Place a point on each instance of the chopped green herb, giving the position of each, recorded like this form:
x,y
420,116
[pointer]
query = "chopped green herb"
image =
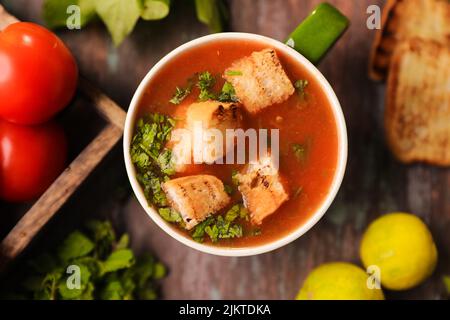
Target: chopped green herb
x,y
152,161
181,93
301,150
170,215
199,231
233,73
228,93
300,86
221,227
228,189
234,177
206,82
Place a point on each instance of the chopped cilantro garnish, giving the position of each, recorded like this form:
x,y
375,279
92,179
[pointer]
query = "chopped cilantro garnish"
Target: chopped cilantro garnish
x,y
170,215
221,227
233,73
301,150
149,156
228,189
181,93
206,82
228,93
300,86
234,178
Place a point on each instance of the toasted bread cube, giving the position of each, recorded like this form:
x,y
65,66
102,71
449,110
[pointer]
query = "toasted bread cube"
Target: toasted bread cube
x,y
262,190
196,197
259,80
207,115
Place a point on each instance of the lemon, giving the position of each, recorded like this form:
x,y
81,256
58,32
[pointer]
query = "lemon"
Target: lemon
x,y
338,281
402,247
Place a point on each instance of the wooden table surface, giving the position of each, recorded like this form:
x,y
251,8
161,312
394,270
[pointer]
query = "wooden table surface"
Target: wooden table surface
x,y
375,183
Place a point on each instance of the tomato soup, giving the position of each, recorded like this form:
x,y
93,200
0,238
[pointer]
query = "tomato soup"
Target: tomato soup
x,y
304,119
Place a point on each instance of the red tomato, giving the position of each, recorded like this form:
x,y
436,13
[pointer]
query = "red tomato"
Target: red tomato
x,y
31,158
38,74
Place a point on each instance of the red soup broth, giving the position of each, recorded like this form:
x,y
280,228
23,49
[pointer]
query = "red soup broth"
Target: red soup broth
x,y
305,120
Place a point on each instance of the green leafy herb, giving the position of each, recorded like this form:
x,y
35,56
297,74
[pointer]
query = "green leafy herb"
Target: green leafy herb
x,y
120,259
170,215
234,177
206,82
149,156
55,12
301,150
300,86
233,73
228,189
212,13
228,93
199,231
76,245
119,16
155,9
181,93
107,269
221,227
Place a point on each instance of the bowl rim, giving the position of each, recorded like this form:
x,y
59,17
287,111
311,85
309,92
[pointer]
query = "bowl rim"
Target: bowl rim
x,y
286,239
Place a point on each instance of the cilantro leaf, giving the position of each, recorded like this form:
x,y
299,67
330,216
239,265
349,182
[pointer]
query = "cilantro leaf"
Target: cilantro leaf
x,y
206,82
74,246
119,259
155,9
228,94
300,86
119,16
55,13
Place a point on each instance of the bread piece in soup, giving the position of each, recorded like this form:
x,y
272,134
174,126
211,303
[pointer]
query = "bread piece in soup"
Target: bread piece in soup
x,y
196,197
206,115
259,80
262,190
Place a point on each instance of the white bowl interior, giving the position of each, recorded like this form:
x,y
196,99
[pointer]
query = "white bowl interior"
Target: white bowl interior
x,y
248,251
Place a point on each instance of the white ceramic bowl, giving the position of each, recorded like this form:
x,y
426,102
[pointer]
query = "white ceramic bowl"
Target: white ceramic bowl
x,y
254,250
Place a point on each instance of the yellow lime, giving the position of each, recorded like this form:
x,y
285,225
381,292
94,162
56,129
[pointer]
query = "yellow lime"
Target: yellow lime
x,y
338,281
402,247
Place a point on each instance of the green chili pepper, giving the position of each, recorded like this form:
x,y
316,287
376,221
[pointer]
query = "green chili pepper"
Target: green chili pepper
x,y
318,32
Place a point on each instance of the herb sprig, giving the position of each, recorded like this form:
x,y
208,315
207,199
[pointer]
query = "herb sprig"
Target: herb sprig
x,y
108,269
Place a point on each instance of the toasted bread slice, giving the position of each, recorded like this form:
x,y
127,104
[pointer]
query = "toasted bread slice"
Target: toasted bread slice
x,y
417,115
406,19
259,80
262,190
196,197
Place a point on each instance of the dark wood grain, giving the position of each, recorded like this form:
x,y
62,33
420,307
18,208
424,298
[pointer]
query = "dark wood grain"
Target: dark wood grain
x,y
375,182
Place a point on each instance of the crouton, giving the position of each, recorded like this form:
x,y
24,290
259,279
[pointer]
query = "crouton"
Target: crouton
x,y
259,80
196,197
262,190
207,115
